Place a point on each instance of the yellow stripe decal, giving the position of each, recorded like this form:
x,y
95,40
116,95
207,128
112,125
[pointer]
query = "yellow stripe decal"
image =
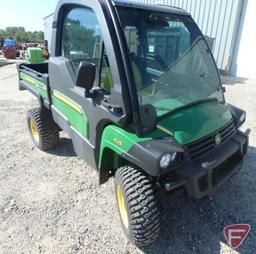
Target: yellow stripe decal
x,y
67,101
161,128
32,81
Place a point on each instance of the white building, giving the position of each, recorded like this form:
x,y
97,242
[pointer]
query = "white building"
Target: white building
x,y
48,29
231,25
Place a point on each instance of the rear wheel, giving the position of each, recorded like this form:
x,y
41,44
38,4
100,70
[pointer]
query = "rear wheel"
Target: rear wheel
x,y
137,206
43,131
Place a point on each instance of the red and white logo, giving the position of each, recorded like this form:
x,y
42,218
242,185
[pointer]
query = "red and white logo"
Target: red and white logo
x,y
236,234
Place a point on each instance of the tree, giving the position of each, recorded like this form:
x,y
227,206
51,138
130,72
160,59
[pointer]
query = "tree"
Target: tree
x,y
19,34
77,37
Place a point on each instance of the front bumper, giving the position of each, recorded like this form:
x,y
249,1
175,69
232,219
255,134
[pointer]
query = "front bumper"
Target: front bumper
x,y
203,176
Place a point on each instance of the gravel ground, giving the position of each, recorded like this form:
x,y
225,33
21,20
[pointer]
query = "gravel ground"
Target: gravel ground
x,y
51,202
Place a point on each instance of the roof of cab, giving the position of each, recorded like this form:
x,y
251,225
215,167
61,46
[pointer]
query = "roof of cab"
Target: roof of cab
x,y
153,7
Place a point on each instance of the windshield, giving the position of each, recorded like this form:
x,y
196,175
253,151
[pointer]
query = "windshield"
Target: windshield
x,y
171,62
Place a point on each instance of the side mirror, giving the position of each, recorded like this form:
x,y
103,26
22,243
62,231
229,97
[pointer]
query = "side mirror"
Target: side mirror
x,y
86,75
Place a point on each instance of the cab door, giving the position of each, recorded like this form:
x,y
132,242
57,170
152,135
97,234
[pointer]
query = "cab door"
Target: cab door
x,y
79,39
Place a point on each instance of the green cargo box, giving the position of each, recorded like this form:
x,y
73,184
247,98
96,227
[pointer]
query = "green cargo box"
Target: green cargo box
x,y
34,55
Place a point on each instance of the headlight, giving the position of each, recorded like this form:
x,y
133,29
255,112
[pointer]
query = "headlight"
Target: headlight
x,y
167,159
242,118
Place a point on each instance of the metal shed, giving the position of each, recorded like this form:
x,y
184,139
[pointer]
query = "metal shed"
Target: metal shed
x,y
48,29
219,20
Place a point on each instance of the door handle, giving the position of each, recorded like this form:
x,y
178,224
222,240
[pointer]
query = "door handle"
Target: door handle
x,y
112,108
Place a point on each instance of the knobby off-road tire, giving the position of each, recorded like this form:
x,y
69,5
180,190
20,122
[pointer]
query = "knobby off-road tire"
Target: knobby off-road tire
x,y
137,206
43,131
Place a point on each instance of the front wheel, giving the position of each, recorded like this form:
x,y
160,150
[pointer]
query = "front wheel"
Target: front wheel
x,y
137,206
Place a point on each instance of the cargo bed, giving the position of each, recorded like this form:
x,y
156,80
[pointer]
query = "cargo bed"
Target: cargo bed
x,y
35,78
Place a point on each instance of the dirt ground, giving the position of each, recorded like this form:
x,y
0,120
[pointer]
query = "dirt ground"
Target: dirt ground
x,y
51,202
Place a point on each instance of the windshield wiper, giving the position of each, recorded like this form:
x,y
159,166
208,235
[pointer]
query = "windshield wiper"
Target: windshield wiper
x,y
188,105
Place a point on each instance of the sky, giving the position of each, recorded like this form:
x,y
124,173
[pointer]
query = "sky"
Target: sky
x,y
26,13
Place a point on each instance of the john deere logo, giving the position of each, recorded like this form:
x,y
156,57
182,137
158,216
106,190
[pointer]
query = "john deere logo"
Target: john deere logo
x,y
218,139
118,142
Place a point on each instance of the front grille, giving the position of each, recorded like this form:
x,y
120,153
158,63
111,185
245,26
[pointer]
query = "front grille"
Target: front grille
x,y
223,170
207,144
220,173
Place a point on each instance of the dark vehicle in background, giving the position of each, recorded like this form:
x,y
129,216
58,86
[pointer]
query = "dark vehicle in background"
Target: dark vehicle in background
x,y
1,42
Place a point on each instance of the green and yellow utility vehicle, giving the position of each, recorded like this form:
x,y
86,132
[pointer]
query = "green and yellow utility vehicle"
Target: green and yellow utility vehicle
x,y
137,89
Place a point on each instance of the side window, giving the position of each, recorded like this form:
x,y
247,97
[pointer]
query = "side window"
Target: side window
x,y
81,37
106,80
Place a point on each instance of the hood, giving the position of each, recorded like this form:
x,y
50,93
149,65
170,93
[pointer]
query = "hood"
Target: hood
x,y
191,124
